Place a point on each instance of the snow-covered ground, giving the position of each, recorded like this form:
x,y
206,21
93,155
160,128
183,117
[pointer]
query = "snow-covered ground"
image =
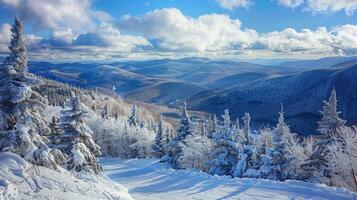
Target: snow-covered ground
x,y
149,179
19,180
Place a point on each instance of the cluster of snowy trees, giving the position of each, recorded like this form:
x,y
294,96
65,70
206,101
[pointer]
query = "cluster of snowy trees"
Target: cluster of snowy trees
x,y
224,148
66,141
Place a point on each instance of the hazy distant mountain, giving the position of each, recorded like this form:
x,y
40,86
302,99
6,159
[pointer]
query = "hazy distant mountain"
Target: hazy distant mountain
x,y
301,94
300,65
237,79
165,93
194,70
93,75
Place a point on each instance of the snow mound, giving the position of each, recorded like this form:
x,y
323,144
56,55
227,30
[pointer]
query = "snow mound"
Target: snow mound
x,y
21,180
149,179
12,161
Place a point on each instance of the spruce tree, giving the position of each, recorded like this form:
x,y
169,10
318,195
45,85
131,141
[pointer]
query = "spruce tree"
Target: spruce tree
x,y
160,140
55,130
225,150
105,112
246,129
133,118
276,163
185,130
317,166
330,122
22,108
247,154
76,140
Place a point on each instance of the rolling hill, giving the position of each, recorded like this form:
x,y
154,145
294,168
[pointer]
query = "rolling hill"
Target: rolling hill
x,y
301,94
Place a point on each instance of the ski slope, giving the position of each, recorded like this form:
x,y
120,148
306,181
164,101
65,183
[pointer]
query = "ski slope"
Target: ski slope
x,y
149,179
19,180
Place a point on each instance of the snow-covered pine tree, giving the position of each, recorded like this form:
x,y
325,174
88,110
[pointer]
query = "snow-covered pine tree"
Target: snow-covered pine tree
x,y
133,118
343,166
225,150
226,122
55,130
18,52
276,163
203,129
212,126
160,139
105,112
246,129
330,121
185,130
76,140
247,154
22,107
237,124
316,167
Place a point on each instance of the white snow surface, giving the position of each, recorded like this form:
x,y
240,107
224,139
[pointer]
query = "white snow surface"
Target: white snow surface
x,y
20,181
150,179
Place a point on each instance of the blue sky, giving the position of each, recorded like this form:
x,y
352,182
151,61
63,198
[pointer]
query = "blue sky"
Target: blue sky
x,y
136,29
262,15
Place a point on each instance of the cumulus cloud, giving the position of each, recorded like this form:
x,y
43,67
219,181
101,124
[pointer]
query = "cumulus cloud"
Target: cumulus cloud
x,y
77,15
290,3
169,33
321,6
233,4
5,37
76,30
104,43
170,30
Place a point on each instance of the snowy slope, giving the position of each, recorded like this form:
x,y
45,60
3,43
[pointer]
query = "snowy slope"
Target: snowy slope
x,y
148,179
19,180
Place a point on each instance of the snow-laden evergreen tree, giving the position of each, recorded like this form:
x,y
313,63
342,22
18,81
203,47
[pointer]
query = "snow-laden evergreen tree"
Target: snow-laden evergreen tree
x,y
246,128
160,139
196,153
76,140
22,108
276,163
203,129
316,168
330,121
226,121
237,124
55,130
184,131
18,52
105,112
247,154
225,150
343,164
212,126
133,118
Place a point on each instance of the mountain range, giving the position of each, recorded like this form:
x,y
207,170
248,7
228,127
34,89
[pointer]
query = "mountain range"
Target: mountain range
x,y
213,85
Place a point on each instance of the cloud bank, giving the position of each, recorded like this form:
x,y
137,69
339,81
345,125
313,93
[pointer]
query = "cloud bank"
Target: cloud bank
x,y
81,32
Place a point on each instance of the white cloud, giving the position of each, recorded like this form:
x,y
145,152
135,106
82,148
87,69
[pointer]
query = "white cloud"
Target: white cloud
x,y
111,39
321,6
170,30
233,4
5,37
290,3
77,15
169,33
